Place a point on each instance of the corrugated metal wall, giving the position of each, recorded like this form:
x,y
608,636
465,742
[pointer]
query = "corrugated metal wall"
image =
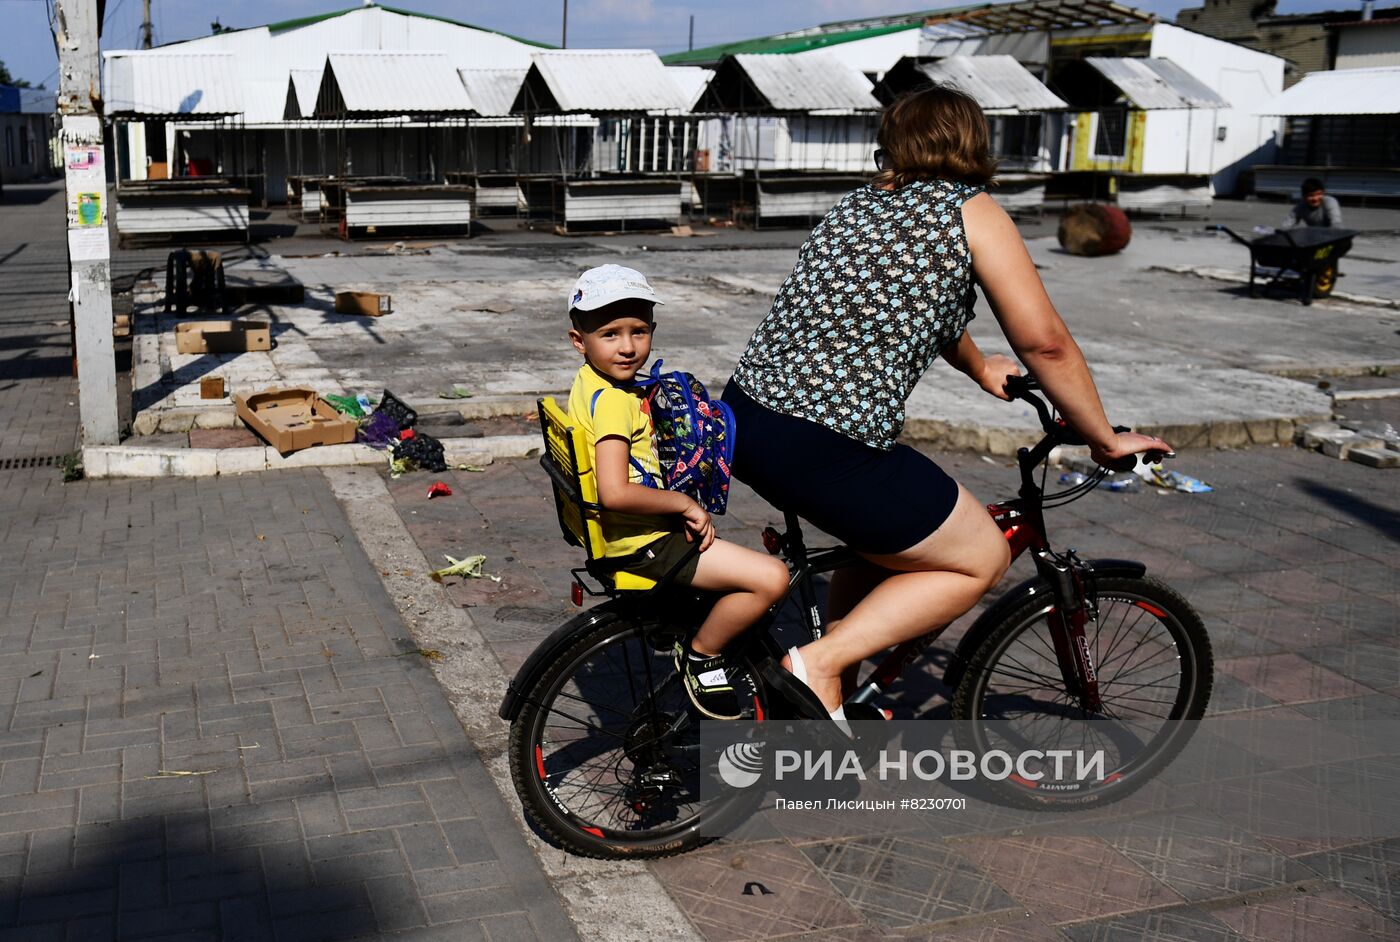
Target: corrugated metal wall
x,y
1341,141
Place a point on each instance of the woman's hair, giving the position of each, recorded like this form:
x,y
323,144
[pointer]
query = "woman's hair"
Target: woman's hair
x,y
935,133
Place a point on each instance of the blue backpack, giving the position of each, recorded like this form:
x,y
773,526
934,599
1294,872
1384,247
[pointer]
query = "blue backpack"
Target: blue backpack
x,y
694,437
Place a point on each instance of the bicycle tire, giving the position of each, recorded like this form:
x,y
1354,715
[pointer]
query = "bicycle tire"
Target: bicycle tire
x,y
1119,599
541,769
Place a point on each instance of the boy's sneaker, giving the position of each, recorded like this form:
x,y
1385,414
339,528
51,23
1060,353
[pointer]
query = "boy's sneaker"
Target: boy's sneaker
x,y
707,684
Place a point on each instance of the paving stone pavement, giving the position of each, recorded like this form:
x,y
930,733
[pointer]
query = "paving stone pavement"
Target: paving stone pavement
x,y
1294,563
38,394
212,724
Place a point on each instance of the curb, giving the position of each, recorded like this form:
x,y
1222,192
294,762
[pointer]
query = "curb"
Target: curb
x,y
136,461
1004,442
1337,372
222,415
1221,274
1352,395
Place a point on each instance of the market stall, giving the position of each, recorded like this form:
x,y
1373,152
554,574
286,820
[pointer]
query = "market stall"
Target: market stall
x,y
179,196
801,130
407,91
634,105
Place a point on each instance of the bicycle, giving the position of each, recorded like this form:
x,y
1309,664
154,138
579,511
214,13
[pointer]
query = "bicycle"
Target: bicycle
x,y
604,746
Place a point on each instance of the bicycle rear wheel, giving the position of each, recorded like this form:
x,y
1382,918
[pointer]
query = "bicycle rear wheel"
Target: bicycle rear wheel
x,y
605,755
1155,670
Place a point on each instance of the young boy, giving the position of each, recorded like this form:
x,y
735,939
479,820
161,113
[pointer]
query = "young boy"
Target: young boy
x,y
1316,208
610,309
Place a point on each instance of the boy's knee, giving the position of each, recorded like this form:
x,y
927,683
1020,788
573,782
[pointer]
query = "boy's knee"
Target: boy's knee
x,y
775,578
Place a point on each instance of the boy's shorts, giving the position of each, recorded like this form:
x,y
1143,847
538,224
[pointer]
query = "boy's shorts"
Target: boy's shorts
x,y
659,556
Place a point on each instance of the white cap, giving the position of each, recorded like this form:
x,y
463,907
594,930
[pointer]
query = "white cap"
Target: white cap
x,y
608,283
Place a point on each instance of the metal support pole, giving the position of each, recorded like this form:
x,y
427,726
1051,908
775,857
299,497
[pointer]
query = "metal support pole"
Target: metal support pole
x,y
75,27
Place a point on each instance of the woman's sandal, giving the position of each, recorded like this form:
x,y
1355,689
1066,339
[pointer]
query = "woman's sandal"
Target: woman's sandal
x,y
793,685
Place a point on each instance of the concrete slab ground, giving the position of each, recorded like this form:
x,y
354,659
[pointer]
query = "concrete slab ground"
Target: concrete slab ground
x,y
1193,359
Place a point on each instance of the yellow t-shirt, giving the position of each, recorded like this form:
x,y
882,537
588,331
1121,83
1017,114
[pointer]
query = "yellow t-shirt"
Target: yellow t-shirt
x,y
618,412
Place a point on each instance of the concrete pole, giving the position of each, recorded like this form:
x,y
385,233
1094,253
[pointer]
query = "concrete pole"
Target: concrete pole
x,y
75,28
147,34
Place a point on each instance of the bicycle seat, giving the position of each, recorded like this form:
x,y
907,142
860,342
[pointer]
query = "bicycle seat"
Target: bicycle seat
x,y
568,460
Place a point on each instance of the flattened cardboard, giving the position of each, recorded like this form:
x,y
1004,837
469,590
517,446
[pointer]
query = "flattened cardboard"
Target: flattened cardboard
x,y
365,303
222,336
294,418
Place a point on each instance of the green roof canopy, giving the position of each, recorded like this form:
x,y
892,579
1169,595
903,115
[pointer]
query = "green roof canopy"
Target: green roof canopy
x,y
285,25
782,43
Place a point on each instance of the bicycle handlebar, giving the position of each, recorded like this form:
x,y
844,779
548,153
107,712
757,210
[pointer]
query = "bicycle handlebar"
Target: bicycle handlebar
x,y
1057,431
1024,388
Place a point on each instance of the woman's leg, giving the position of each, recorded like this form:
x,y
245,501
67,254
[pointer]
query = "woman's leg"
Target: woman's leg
x,y
848,587
934,582
752,583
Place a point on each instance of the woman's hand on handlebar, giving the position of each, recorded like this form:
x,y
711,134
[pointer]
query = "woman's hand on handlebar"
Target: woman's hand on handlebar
x,y
996,369
1122,452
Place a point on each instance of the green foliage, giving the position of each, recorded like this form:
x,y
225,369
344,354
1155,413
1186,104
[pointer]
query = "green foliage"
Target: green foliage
x,y
72,467
7,79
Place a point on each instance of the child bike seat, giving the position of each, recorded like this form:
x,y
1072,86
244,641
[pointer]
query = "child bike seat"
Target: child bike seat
x,y
568,460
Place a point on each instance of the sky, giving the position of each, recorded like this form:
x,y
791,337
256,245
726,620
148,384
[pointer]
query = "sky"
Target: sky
x,y
26,44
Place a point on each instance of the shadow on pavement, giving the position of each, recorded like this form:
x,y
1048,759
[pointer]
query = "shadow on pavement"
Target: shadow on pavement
x,y
1378,517
159,875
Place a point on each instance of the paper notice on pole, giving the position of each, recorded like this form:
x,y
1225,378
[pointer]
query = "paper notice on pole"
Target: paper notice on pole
x,y
86,180
89,245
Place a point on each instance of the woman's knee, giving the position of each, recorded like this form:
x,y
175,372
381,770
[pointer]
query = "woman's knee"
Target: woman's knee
x,y
998,561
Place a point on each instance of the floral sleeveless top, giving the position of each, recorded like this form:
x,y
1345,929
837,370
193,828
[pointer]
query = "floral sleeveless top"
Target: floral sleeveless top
x,y
881,286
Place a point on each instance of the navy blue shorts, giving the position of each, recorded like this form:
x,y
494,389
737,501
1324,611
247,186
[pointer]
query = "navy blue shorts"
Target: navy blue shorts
x,y
874,501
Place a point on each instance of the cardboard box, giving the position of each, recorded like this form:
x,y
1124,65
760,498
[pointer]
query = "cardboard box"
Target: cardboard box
x,y
294,418
367,303
222,336
211,387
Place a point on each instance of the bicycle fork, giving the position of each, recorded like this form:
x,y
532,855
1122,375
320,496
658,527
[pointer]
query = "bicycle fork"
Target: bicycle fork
x,y
1068,577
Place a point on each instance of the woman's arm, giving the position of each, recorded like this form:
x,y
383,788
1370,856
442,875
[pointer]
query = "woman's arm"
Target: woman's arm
x,y
1036,332
617,493
988,372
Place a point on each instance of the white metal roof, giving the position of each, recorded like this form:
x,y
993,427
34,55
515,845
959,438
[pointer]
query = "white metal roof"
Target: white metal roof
x,y
599,81
813,82
492,91
169,84
1000,84
302,88
1344,91
691,80
1156,83
390,83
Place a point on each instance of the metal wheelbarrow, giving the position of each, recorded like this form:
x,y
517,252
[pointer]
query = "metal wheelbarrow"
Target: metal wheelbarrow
x,y
1306,256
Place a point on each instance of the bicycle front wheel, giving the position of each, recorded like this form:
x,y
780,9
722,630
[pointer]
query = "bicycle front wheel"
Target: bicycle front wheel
x,y
1154,671
606,756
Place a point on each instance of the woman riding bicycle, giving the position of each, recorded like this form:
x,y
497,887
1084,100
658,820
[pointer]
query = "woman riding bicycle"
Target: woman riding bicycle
x,y
882,286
